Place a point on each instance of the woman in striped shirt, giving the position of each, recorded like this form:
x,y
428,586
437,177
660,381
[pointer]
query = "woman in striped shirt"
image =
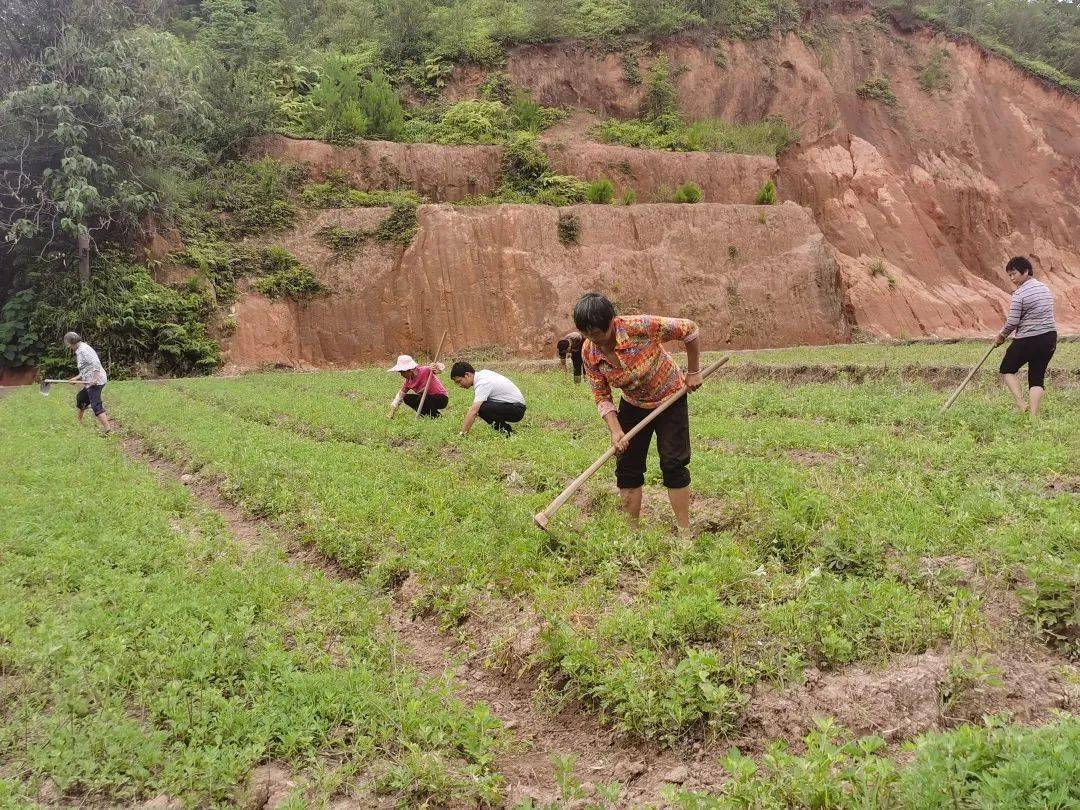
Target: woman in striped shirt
x,y
628,353
1031,315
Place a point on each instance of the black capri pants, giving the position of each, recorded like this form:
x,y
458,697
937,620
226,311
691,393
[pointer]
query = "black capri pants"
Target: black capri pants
x,y
1035,352
672,429
90,397
433,405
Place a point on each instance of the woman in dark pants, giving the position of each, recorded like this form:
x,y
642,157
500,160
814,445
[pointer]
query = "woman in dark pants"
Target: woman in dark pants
x,y
628,353
571,344
1031,315
412,388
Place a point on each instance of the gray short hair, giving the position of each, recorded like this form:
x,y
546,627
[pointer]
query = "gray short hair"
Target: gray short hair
x,y
71,338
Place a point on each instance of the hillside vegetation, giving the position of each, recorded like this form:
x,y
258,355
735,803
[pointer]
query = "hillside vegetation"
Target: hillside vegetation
x,y
117,115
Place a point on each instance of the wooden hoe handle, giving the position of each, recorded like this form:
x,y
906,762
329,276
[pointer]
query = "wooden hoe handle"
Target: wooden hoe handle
x,y
542,518
967,379
427,385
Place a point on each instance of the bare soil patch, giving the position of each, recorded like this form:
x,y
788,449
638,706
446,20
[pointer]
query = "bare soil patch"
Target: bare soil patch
x,y
812,458
1064,484
912,695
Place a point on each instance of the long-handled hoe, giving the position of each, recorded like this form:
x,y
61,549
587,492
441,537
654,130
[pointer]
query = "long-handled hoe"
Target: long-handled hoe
x,y
542,518
427,385
967,379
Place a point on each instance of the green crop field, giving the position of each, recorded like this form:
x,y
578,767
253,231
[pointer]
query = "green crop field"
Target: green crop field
x,y
840,529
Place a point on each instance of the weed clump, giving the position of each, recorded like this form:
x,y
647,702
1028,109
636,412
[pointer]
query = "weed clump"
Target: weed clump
x,y
772,136
569,229
687,193
767,195
629,197
335,191
934,77
343,242
600,191
877,89
279,274
877,268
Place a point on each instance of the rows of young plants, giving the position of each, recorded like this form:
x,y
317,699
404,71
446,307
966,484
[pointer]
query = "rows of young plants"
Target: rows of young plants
x,y
817,506
143,651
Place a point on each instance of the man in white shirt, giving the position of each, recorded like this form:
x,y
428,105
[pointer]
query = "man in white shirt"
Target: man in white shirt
x,y
496,400
91,377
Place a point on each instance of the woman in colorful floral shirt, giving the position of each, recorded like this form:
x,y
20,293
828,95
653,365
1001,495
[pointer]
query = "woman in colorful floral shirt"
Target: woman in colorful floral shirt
x,y
627,352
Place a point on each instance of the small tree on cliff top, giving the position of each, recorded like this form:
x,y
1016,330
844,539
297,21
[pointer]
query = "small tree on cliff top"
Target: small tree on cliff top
x,y
661,96
381,108
333,107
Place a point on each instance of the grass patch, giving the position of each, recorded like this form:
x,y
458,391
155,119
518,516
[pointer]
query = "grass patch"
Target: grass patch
x,y
934,77
990,766
144,653
878,89
770,137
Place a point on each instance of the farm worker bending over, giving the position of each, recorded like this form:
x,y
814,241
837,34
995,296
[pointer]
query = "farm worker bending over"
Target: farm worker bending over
x,y
571,344
628,353
496,400
1031,314
412,387
91,376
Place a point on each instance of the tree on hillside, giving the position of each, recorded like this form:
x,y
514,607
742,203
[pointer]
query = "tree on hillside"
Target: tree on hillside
x,y
82,148
333,107
381,108
406,29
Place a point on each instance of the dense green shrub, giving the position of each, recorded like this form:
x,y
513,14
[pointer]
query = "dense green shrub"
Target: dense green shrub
x,y
399,225
661,95
600,191
687,193
877,89
466,122
473,122
1039,37
381,109
279,274
136,324
767,195
343,242
256,196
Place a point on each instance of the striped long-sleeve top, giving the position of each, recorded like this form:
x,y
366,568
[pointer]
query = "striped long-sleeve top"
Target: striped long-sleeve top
x,y
1031,312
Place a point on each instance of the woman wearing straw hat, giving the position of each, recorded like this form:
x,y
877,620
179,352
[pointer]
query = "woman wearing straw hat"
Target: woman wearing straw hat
x,y
412,387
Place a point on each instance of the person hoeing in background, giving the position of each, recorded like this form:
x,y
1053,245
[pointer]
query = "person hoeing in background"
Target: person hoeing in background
x,y
496,400
1031,315
415,378
91,377
627,352
570,344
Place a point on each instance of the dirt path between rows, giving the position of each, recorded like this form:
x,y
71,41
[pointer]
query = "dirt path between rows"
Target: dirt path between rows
x,y
540,738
